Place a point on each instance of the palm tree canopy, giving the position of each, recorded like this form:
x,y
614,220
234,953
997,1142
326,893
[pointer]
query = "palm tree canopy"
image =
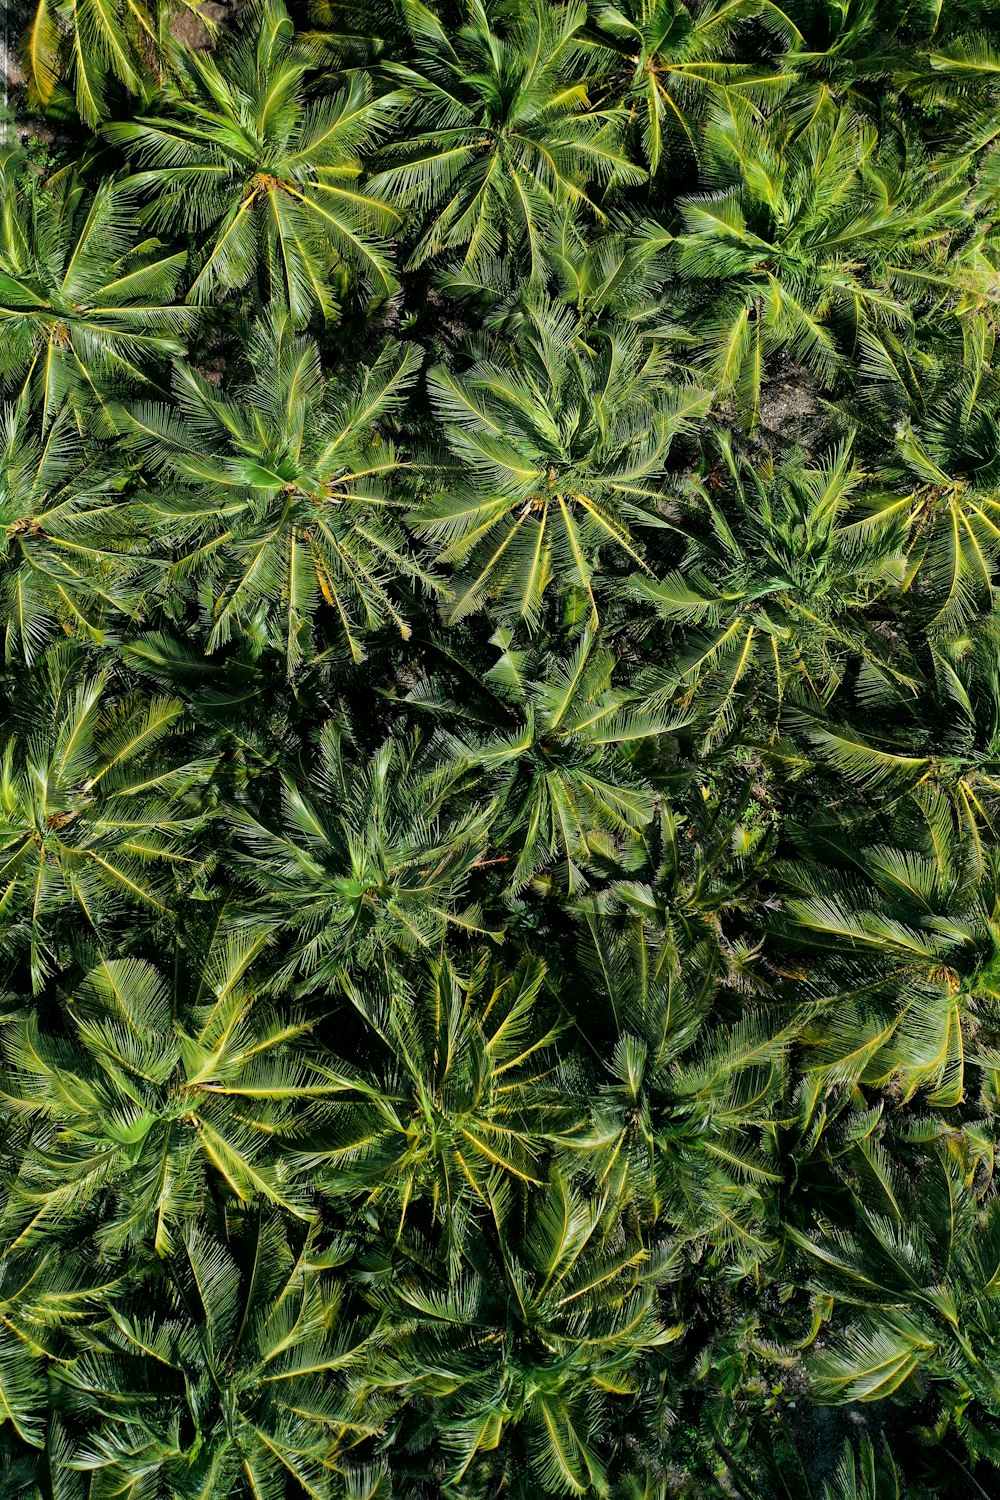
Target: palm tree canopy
x,y
268,178
68,558
143,1114
564,448
672,60
500,131
95,807
776,586
370,858
813,235
292,495
84,307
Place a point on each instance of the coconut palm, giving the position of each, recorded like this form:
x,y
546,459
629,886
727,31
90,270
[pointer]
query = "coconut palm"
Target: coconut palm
x,y
692,876
46,1293
942,772
683,1121
266,179
67,562
293,493
95,48
943,480
932,68
460,1095
368,859
620,279
671,60
97,799
912,928
500,750
555,744
774,593
808,237
535,1343
562,449
256,1381
499,132
776,1469
166,1091
919,1266
86,304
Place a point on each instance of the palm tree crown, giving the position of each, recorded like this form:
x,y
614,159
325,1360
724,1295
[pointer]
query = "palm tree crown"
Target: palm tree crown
x,y
268,179
83,306
500,132
564,448
307,475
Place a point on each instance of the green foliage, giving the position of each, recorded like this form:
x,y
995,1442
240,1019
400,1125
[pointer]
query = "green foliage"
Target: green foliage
x,y
500,751
96,801
779,577
368,864
67,561
499,131
309,480
264,179
85,308
562,448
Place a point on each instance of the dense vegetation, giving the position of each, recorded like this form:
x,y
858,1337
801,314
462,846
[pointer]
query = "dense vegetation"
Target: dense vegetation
x,y
499,864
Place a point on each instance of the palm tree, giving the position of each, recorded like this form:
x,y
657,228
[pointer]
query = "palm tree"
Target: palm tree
x,y
46,1292
368,860
500,769
459,1095
909,930
691,880
563,446
867,1474
776,1469
67,562
256,1384
933,69
959,84
291,501
918,1264
809,237
555,740
95,810
774,590
85,310
943,478
244,712
670,61
684,1115
940,766
500,132
620,279
266,180
526,1352
159,1093
93,47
